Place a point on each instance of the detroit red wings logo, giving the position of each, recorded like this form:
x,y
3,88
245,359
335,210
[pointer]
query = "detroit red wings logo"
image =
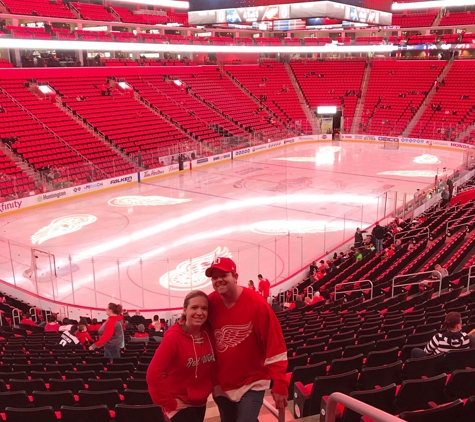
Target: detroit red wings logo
x,y
231,336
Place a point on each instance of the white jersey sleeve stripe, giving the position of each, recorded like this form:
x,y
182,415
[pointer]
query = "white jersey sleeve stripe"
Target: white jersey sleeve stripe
x,y
277,358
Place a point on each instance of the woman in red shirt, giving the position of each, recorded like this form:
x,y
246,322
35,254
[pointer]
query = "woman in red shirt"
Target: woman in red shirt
x,y
179,376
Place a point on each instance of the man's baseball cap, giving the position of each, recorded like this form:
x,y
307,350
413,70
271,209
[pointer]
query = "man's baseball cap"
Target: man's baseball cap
x,y
223,264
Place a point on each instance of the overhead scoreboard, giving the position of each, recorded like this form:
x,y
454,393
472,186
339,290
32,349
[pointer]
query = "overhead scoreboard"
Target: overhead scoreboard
x,y
204,12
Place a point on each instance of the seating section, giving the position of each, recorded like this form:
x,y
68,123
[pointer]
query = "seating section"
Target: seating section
x,y
4,63
127,16
336,83
139,130
53,8
272,85
392,98
93,12
451,109
458,18
196,119
43,380
221,94
61,141
413,19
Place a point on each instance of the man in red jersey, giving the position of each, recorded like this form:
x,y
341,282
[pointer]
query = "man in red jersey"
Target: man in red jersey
x,y
250,347
264,287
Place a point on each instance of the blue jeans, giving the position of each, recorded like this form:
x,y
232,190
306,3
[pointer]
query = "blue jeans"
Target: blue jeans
x,y
378,244
112,353
245,410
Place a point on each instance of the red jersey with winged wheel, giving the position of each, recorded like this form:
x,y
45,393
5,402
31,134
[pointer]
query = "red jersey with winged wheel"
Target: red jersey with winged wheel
x,y
250,347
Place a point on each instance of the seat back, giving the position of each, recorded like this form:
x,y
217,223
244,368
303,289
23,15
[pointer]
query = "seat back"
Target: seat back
x,y
428,366
292,362
98,413
450,412
107,384
340,366
61,385
416,394
381,398
93,398
143,413
326,385
370,377
382,357
461,384
306,375
14,399
137,397
55,399
459,359
43,414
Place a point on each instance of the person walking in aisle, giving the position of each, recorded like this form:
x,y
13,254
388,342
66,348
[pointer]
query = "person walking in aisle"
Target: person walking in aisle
x,y
264,287
247,336
111,333
378,235
179,376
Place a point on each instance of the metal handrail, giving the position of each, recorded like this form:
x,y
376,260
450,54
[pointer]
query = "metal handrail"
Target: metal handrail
x,y
469,277
310,292
416,282
279,414
420,229
457,219
354,290
365,409
16,317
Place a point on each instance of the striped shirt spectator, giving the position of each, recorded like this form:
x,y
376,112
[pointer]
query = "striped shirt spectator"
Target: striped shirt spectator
x,y
453,339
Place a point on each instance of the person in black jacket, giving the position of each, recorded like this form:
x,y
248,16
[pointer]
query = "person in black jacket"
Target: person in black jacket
x,y
378,236
359,237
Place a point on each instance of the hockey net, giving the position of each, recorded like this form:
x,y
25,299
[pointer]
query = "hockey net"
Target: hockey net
x,y
42,266
391,143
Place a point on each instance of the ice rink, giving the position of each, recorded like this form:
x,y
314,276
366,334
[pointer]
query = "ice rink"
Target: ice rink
x,y
146,245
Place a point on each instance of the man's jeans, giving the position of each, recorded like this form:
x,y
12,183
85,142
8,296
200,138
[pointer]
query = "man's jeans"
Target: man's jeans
x,y
378,244
246,410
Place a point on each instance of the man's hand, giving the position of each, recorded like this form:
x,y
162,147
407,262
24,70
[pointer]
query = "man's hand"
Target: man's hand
x,y
180,405
280,401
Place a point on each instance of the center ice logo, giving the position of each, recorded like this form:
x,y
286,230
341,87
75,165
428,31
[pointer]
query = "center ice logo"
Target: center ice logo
x,y
190,274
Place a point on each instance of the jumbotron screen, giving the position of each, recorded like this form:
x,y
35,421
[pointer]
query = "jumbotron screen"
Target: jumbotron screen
x,y
201,5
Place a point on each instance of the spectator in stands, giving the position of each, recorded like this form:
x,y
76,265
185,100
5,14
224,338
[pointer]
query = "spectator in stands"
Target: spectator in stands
x,y
439,269
179,376
313,268
398,245
111,332
2,109
250,285
358,255
138,318
140,336
264,287
66,325
453,339
156,324
378,233
445,197
68,338
28,319
247,334
359,237
83,336
317,297
52,324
